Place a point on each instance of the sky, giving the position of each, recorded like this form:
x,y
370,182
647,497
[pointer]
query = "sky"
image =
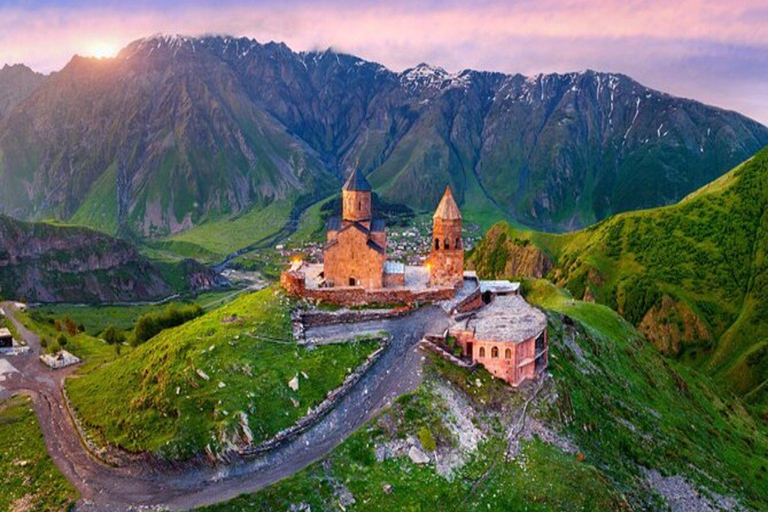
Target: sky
x,y
715,51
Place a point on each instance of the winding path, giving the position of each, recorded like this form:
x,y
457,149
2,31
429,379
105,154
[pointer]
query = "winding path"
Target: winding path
x,y
105,488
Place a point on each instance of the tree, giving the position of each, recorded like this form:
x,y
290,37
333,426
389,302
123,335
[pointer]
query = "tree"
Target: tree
x,y
62,340
70,325
113,335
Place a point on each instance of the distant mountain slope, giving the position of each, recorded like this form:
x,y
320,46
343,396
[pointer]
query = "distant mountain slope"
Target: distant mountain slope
x,y
45,263
693,277
16,83
177,131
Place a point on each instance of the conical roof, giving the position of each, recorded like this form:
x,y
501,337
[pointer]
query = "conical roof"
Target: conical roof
x,y
357,182
447,209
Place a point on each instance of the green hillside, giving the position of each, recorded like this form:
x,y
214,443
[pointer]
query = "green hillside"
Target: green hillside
x,y
212,382
693,277
28,478
614,413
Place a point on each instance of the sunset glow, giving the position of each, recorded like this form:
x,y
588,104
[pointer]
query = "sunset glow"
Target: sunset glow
x,y
719,55
101,50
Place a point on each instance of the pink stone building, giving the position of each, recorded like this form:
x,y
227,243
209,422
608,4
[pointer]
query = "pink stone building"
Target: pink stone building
x,y
508,337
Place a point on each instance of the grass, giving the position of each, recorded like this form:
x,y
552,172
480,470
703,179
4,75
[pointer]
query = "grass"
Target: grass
x,y
648,410
228,235
693,277
189,388
96,318
28,478
618,401
93,351
541,477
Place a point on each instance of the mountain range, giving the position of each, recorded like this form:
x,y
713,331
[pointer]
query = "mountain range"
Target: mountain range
x,y
175,131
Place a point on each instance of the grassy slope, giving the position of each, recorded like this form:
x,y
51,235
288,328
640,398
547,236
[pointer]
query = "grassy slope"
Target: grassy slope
x,y
28,478
227,235
154,399
620,403
96,318
698,266
93,351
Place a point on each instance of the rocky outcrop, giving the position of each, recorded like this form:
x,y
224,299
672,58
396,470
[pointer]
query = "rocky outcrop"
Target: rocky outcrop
x,y
501,255
671,325
16,83
47,263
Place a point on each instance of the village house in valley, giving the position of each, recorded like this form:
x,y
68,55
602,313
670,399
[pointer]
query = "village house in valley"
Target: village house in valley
x,y
499,329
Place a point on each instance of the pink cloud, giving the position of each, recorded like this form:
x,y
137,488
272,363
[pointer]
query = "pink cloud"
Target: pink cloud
x,y
528,36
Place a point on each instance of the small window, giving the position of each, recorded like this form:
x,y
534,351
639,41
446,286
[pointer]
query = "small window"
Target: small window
x,y
359,205
352,281
495,352
457,244
446,245
508,354
482,351
437,244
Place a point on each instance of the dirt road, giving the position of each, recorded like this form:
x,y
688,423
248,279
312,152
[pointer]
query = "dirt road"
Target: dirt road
x,y
104,488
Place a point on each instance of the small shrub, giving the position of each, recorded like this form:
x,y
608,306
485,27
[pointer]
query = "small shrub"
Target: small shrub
x,y
427,439
62,340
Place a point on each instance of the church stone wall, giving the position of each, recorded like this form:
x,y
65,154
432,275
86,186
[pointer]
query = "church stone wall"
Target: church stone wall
x,y
351,258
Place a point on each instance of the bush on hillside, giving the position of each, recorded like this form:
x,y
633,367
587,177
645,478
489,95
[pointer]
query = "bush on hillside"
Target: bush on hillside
x,y
152,324
113,335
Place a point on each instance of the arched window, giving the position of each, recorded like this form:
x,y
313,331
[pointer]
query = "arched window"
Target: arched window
x,y
457,245
508,354
446,245
495,352
437,244
482,352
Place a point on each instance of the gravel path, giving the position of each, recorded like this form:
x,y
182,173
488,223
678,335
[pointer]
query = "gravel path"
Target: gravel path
x,y
104,488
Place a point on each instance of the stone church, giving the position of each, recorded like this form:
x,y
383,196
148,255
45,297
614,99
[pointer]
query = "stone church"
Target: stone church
x,y
356,244
355,268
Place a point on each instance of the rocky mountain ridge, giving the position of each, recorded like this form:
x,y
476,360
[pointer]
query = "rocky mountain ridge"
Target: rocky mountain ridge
x,y
16,83
176,131
46,263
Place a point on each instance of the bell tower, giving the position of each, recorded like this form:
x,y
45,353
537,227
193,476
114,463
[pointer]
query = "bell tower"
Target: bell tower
x,y
446,261
356,199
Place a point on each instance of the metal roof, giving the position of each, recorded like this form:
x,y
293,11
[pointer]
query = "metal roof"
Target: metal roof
x,y
378,225
357,182
394,267
499,287
508,318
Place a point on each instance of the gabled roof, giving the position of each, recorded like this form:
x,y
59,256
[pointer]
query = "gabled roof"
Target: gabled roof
x,y
376,247
357,182
378,225
447,209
